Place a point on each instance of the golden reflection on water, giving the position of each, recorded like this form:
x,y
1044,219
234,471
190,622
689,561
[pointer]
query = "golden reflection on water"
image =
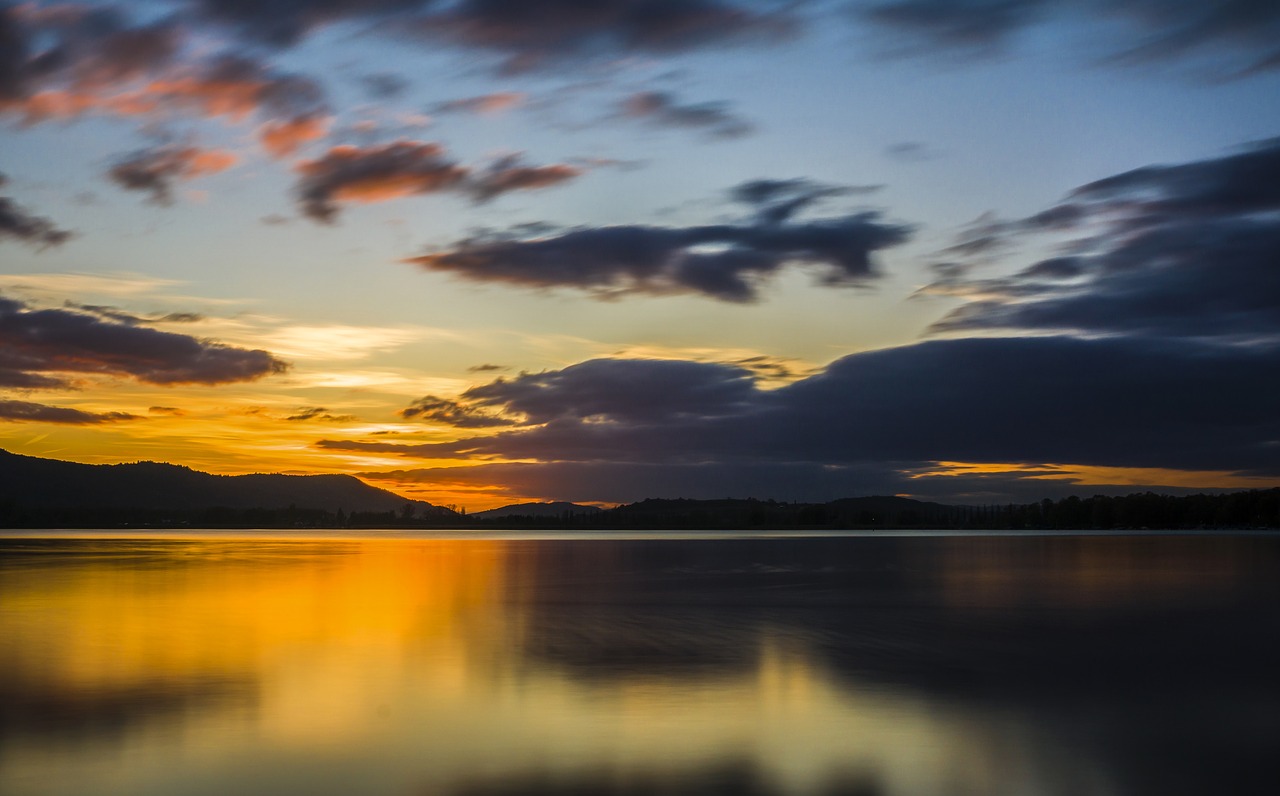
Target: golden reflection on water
x,y
437,667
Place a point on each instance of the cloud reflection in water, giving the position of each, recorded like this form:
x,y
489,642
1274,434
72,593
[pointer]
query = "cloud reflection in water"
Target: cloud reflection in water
x,y
469,667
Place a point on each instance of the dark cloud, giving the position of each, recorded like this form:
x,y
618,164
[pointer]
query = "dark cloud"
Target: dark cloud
x,y
12,376
43,346
910,152
67,61
122,316
620,391
105,51
983,238
453,413
1245,182
486,367
768,368
722,261
318,413
1203,280
236,85
1246,32
601,391
1120,402
509,174
777,201
405,168
292,107
1055,268
25,411
663,109
384,85
1243,33
373,174
1176,251
17,223
177,317
56,57
533,35
283,23
155,171
13,57
952,24
525,34
171,411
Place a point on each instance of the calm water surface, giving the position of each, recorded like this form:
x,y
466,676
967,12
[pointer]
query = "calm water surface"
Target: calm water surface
x,y
867,666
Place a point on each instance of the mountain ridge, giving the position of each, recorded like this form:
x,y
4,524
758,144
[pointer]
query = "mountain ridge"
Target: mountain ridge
x,y
38,483
553,508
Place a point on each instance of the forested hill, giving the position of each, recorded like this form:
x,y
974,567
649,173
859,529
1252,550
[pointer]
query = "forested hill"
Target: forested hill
x,y
29,483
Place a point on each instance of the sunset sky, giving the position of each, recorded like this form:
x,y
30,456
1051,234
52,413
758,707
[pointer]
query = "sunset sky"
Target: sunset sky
x,y
486,251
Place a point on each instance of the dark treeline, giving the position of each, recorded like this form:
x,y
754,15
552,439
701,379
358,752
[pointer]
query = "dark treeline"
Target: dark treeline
x,y
1237,510
1252,509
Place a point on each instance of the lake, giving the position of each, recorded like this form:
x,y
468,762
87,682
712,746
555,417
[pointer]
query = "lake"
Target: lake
x,y
507,664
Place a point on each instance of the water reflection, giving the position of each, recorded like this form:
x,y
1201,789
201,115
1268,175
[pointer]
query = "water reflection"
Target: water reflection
x,y
821,666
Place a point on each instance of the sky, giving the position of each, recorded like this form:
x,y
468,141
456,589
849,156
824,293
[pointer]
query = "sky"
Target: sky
x,y
480,252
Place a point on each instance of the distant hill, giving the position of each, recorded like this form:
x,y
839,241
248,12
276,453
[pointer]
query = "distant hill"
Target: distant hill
x,y
556,509
34,483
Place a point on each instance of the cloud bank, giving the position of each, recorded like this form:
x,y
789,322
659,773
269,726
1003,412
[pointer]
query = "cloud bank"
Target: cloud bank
x,y
997,400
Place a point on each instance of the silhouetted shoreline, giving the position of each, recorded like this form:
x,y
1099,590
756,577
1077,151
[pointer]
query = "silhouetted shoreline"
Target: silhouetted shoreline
x,y
46,493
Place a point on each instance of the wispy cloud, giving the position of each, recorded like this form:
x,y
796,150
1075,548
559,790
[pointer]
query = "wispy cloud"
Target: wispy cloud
x,y
664,109
484,104
54,286
337,342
